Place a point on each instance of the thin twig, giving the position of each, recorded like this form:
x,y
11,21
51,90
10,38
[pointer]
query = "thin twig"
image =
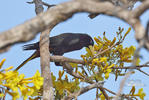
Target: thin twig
x,y
143,72
131,67
83,90
44,3
69,70
48,5
126,96
118,95
99,53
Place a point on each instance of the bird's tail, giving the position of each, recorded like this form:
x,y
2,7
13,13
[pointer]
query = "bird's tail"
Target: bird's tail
x,y
34,55
31,46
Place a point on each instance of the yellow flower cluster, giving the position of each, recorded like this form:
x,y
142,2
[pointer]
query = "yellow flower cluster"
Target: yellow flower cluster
x,y
106,54
140,93
17,85
63,86
105,69
132,94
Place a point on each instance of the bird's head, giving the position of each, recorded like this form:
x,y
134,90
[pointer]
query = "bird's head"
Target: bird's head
x,y
87,41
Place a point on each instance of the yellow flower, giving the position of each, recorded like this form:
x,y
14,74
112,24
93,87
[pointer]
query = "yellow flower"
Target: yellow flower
x,y
132,91
37,80
7,69
96,47
103,59
107,41
66,77
111,66
129,29
15,95
107,73
10,74
26,91
98,41
141,94
2,95
1,76
83,56
138,61
2,62
102,97
95,60
90,51
34,91
113,41
131,50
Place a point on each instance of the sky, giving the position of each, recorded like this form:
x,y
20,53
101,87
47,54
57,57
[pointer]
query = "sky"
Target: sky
x,y
15,12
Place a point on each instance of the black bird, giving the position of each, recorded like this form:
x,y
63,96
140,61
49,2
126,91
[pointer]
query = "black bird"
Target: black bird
x,y
60,44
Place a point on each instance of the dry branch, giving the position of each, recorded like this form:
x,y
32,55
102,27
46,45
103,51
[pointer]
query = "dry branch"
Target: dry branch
x,y
83,90
65,59
69,70
45,57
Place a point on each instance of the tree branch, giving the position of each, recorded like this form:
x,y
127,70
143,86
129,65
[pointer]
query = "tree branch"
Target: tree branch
x,y
62,12
131,67
141,9
83,90
79,61
65,59
69,70
45,57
